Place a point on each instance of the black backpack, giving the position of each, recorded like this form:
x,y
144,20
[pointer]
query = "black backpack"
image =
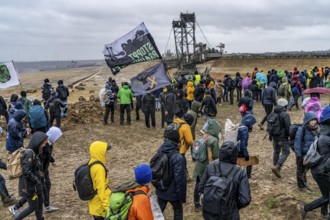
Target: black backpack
x,y
62,92
161,170
83,183
170,128
292,133
274,124
46,91
219,197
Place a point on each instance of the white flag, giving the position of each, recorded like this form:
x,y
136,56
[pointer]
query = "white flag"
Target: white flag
x,y
8,75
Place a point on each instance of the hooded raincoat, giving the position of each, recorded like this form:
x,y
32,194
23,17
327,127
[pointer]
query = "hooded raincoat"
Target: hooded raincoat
x,y
186,138
99,204
212,136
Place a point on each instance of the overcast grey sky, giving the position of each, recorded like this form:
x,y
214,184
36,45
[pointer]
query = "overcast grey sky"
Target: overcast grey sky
x,y
37,30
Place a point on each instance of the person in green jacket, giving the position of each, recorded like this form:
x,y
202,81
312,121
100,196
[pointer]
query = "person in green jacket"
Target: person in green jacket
x,y
287,90
125,96
212,145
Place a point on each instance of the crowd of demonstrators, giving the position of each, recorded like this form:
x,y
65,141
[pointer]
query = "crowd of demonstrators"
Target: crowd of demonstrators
x,y
180,105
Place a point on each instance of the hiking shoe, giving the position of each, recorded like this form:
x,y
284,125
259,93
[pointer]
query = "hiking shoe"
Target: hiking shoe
x,y
50,209
277,171
301,211
305,189
261,127
13,211
9,201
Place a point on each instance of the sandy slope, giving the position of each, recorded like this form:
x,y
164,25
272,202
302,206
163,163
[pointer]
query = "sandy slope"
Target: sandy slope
x,y
273,198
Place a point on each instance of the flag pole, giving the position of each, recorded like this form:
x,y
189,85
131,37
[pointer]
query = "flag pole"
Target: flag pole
x,y
17,75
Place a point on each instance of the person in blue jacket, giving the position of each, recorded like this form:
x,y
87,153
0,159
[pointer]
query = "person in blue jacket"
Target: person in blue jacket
x,y
245,127
304,138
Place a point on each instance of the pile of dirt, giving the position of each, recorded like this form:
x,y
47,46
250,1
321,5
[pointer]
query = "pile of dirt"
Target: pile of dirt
x,y
84,112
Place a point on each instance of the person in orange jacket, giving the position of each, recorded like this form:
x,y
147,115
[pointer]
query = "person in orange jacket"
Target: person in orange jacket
x,y
141,207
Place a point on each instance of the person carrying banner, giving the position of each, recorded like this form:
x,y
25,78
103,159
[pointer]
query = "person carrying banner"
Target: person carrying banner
x,y
3,109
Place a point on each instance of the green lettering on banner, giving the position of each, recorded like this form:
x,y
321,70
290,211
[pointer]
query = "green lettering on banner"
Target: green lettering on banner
x,y
138,52
145,52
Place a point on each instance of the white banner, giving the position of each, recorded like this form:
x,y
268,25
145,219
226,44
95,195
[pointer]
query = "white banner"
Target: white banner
x,y
8,75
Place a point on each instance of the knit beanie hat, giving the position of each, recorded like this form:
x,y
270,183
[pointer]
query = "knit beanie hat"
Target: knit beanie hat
x,y
143,174
325,115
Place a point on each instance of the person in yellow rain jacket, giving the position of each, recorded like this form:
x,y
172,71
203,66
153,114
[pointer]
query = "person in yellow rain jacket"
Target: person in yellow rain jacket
x,y
190,92
99,204
186,138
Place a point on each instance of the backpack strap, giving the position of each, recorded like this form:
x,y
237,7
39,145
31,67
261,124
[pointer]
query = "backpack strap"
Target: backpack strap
x,y
99,162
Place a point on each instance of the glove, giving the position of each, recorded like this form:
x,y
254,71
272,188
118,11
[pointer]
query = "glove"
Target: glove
x,y
247,157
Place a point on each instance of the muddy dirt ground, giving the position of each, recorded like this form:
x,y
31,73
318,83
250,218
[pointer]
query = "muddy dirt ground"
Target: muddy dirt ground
x,y
272,198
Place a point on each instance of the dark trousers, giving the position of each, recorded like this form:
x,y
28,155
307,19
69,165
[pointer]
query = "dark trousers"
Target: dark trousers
x,y
123,108
196,193
280,145
147,115
189,103
5,114
58,120
46,188
218,100
268,109
20,202
323,184
238,93
231,96
34,206
98,217
137,110
301,173
109,108
249,171
3,189
163,115
176,205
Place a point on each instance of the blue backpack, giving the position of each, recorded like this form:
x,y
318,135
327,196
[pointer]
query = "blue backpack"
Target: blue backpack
x,y
37,117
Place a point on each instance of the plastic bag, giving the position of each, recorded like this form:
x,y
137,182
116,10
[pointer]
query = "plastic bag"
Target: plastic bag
x,y
156,211
231,131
